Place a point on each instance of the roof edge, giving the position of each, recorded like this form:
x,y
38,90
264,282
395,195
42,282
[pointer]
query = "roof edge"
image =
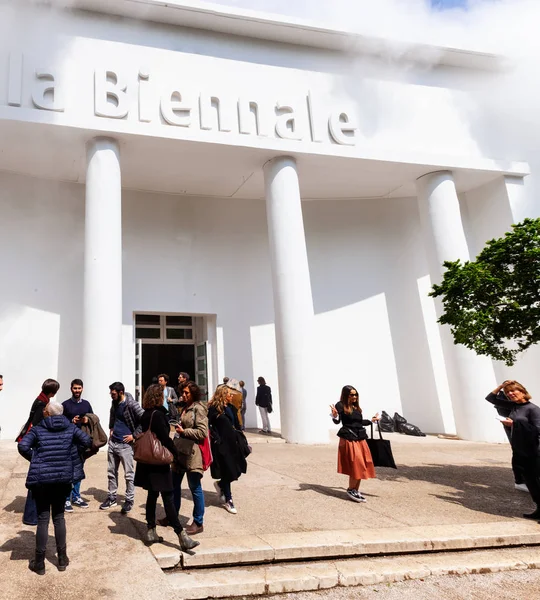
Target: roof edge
x,y
284,29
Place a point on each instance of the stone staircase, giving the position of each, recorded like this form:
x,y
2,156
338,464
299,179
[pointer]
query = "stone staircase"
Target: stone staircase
x,y
286,562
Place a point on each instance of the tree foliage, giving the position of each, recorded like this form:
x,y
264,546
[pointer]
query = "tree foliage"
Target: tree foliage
x,y
492,304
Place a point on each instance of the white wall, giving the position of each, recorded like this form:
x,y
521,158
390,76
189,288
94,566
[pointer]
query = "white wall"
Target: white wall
x,y
366,261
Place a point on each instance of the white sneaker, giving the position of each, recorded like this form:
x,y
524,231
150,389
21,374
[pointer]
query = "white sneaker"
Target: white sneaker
x,y
522,487
229,507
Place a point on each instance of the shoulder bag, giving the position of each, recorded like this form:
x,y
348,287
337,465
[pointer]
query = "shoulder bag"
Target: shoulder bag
x,y
381,450
149,450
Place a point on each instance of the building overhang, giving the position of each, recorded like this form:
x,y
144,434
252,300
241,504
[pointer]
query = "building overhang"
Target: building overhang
x,y
289,30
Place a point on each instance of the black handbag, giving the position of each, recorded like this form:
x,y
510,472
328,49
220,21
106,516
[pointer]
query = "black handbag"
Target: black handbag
x,y
381,450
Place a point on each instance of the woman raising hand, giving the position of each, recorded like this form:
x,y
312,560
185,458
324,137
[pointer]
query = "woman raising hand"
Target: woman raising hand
x,y
354,457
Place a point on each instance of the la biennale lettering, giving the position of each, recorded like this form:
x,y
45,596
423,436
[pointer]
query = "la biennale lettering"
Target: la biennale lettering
x,y
183,106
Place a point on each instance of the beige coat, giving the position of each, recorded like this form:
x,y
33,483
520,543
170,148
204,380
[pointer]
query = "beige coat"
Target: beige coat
x,y
194,421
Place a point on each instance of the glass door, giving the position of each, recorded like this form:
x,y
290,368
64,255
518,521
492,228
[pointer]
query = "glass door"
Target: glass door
x,y
201,368
138,370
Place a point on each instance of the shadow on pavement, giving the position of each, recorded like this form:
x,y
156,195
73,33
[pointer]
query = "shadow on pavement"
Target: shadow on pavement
x,y
23,547
484,489
334,492
16,505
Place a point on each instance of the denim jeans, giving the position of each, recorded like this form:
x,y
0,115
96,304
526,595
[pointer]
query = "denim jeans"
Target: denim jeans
x,y
30,516
76,491
194,483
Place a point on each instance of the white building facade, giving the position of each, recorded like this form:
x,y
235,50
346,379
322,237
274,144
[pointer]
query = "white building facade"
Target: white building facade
x,y
216,193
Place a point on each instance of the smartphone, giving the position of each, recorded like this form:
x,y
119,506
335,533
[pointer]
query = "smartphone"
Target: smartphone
x,y
499,418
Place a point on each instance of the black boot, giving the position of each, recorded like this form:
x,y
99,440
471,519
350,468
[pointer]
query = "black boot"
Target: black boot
x,y
63,560
38,563
533,515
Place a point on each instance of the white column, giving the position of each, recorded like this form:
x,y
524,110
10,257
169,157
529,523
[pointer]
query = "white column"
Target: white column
x,y
102,331
293,305
471,377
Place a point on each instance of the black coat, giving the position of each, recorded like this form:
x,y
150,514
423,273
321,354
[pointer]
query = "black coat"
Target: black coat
x,y
229,461
157,478
526,422
264,396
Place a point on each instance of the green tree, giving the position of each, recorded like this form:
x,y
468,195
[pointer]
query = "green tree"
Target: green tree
x,y
492,304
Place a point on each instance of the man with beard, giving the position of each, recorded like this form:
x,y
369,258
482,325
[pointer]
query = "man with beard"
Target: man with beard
x,y
75,410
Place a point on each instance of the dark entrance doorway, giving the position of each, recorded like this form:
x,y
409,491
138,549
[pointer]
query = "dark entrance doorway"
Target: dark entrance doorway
x,y
169,359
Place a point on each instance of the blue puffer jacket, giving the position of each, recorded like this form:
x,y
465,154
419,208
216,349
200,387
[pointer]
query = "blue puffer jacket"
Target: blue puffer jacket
x,y
51,448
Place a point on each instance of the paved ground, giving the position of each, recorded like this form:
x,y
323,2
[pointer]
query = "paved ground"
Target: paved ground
x,y
288,488
515,585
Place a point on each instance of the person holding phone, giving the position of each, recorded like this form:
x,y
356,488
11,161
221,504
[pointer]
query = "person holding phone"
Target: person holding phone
x,y
522,418
354,457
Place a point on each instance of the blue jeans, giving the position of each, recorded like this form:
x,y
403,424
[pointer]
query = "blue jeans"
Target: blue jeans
x,y
30,516
76,491
194,482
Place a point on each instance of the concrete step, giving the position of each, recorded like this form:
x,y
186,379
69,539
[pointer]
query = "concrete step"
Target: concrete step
x,y
314,545
304,576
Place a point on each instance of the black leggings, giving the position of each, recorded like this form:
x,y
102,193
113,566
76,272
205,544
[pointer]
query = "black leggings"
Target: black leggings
x,y
50,498
168,505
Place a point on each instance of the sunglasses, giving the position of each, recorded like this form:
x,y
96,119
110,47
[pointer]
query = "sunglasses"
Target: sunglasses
x,y
351,394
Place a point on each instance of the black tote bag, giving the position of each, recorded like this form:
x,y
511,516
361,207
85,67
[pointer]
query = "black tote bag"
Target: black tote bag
x,y
381,450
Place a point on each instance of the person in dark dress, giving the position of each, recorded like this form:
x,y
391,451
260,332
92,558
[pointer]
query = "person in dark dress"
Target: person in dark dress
x,y
354,457
157,479
523,417
229,459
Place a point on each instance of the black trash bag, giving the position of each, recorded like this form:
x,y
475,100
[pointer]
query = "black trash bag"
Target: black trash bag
x,y
386,423
399,421
410,429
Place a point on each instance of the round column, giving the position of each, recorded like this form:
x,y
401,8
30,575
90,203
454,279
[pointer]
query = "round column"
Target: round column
x,y
102,327
471,377
293,304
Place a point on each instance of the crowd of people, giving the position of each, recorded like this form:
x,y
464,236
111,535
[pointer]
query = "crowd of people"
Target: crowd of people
x,y
57,439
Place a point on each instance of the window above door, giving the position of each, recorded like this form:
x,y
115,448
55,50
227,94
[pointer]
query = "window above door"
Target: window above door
x,y
164,329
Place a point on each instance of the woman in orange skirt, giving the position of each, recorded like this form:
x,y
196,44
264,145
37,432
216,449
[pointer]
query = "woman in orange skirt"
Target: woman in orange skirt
x,y
354,457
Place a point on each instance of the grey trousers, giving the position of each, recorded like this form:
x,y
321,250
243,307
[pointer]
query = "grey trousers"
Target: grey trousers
x,y
120,452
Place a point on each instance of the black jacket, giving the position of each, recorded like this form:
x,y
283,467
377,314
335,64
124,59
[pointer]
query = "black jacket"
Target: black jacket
x,y
229,460
526,420
264,396
352,424
156,477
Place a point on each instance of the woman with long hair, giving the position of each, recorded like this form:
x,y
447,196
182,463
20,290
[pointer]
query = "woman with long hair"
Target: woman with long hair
x,y
263,400
190,432
157,479
522,417
354,457
229,459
